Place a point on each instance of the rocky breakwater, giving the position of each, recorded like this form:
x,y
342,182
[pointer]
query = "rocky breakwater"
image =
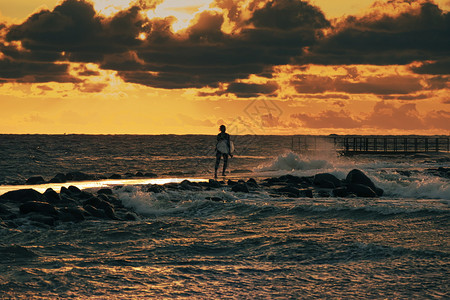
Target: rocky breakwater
x,y
80,176
29,207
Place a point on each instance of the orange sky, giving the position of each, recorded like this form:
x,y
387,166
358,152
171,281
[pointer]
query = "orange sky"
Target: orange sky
x,y
259,66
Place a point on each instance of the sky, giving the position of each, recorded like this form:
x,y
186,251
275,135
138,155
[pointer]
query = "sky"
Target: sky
x,y
257,66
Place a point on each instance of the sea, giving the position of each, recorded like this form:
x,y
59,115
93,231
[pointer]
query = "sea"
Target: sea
x,y
248,246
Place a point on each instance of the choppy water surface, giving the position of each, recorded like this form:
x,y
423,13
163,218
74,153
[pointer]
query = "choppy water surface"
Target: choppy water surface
x,y
248,246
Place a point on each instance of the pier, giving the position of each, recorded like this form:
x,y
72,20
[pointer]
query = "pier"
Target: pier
x,y
351,145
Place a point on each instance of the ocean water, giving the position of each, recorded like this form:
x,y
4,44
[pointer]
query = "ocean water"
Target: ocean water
x,y
247,246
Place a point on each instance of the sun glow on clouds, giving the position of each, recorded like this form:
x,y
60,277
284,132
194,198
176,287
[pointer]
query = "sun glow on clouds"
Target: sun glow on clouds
x,y
184,12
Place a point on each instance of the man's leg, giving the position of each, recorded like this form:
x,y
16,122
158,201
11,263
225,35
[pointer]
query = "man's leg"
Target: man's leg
x,y
225,163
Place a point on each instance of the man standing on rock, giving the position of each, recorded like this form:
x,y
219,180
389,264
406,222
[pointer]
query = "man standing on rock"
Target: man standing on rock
x,y
224,148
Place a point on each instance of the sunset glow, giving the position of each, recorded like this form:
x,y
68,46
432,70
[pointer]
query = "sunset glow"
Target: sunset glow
x,y
156,67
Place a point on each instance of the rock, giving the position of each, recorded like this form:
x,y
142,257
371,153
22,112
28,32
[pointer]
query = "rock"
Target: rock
x,y
358,177
105,191
139,174
231,182
129,175
290,179
326,180
64,190
39,207
240,187
72,214
111,199
74,190
52,196
97,203
288,191
129,216
22,196
79,176
115,176
155,188
35,180
362,190
306,193
340,192
150,175
323,194
59,178
214,183
98,213
252,183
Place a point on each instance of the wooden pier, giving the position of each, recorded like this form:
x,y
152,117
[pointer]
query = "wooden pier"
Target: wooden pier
x,y
351,145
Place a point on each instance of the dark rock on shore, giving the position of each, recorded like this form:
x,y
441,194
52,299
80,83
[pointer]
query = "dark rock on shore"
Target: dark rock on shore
x,y
326,180
362,190
294,192
214,183
105,191
340,192
115,176
38,207
79,176
155,188
23,196
356,176
35,180
240,187
59,178
52,196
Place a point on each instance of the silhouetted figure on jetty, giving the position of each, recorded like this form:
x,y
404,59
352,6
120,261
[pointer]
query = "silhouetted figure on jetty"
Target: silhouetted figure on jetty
x,y
223,149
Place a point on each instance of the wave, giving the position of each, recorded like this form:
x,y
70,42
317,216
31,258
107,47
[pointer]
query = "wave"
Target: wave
x,y
291,161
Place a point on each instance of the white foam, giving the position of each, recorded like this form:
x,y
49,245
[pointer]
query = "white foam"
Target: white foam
x,y
291,161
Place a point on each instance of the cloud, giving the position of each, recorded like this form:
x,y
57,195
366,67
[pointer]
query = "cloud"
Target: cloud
x,y
328,119
202,55
378,85
383,116
421,32
188,120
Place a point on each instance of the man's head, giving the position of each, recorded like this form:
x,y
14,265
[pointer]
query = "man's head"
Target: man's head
x,y
222,128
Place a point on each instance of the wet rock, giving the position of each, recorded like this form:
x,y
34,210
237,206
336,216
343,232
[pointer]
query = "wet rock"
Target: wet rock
x,y
38,207
155,188
72,214
356,176
79,176
22,196
97,213
139,174
326,180
362,190
74,190
97,203
113,200
115,176
52,196
105,191
288,191
231,182
294,192
252,183
240,187
59,178
150,175
340,192
187,185
290,179
214,183
35,180
129,216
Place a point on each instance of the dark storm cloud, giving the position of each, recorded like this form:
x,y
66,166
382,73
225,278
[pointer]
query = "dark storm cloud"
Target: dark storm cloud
x,y
385,40
273,33
201,56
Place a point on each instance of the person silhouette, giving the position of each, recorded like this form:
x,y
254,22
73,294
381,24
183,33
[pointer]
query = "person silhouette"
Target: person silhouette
x,y
221,151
